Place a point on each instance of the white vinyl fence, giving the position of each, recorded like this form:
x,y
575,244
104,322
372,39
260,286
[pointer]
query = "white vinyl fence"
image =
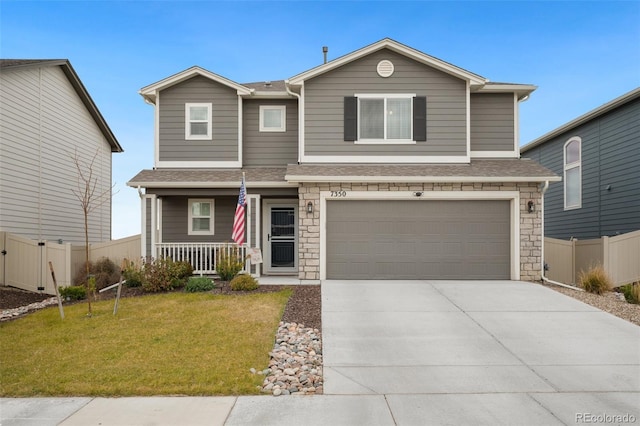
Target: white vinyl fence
x,y
619,256
24,263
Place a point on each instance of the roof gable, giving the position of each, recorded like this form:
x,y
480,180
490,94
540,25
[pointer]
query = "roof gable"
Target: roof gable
x,y
149,92
387,43
72,76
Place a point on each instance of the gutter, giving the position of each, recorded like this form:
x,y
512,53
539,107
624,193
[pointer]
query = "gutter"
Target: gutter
x,y
545,279
300,117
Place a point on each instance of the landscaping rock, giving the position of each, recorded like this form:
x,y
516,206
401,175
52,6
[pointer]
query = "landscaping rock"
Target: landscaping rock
x,y
12,313
296,361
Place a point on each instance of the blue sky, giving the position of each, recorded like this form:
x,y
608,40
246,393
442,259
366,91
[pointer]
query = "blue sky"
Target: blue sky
x,y
580,54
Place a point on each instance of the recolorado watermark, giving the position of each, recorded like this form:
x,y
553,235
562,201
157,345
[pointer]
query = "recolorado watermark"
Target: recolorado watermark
x,y
604,418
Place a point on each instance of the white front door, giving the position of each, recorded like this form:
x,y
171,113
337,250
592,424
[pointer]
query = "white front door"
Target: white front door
x,y
280,237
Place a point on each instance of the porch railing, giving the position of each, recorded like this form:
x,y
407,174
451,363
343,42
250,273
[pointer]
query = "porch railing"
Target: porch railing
x,y
202,256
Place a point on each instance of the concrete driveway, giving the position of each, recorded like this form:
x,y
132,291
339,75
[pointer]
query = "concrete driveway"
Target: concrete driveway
x,y
483,352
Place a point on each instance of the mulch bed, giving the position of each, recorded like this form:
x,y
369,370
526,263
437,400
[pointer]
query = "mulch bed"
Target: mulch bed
x,y
304,306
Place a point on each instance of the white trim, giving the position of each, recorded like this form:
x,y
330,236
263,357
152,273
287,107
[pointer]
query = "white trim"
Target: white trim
x,y
188,120
384,97
266,251
301,125
468,124
143,226
154,224
522,91
495,154
413,179
513,196
240,119
398,48
231,184
212,208
253,203
159,204
283,116
566,167
516,125
415,159
198,164
156,128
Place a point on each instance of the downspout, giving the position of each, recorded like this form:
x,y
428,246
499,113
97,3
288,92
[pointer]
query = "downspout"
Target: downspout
x,y
545,279
290,92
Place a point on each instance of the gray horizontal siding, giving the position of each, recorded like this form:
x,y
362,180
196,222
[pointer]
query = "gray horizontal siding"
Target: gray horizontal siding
x,y
610,156
43,122
175,220
492,122
269,148
446,106
174,146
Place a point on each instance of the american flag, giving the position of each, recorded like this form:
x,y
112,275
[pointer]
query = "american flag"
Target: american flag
x,y
238,220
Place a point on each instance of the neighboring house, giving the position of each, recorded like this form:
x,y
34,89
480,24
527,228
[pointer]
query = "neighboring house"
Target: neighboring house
x,y
383,163
46,116
598,154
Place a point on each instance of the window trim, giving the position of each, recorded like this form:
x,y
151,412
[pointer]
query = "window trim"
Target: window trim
x,y
187,121
385,96
282,109
211,216
571,166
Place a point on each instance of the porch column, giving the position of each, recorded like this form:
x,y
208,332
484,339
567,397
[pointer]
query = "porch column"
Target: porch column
x,y
149,225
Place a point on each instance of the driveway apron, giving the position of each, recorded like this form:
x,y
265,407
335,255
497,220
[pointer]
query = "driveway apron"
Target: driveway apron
x,y
478,351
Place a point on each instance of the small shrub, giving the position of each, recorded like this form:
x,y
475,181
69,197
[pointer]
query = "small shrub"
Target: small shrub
x,y
133,274
196,284
164,275
73,292
595,280
632,292
244,282
228,263
104,271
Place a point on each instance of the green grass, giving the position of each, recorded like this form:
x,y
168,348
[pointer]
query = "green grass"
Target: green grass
x,y
168,344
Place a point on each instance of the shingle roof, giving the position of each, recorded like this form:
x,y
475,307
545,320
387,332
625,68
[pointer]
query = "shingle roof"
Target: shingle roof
x,y
501,170
267,86
209,178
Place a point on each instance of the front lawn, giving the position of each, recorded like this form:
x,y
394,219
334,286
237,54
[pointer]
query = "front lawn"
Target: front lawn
x,y
168,344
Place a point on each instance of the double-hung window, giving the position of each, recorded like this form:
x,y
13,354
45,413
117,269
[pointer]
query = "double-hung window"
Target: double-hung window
x,y
198,121
273,118
390,118
573,173
201,216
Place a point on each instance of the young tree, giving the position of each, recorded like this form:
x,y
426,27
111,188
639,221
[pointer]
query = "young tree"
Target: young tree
x,y
90,198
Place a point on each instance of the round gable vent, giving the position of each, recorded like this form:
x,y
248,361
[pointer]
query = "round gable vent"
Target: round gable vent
x,y
385,68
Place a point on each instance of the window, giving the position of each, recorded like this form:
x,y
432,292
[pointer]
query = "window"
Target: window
x,y
273,118
396,118
198,121
201,217
573,173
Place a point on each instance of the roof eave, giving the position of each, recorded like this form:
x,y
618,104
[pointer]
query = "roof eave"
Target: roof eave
x,y
603,109
209,184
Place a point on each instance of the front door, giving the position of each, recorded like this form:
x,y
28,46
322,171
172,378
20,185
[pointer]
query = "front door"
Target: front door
x,y
280,237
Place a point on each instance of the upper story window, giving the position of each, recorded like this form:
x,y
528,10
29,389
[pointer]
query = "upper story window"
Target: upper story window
x,y
394,118
273,118
573,173
201,216
197,121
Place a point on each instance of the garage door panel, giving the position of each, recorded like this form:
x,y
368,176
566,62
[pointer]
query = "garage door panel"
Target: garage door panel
x,y
418,239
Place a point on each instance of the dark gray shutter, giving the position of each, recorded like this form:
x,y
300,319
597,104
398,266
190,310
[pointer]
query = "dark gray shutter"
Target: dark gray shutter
x,y
420,118
350,118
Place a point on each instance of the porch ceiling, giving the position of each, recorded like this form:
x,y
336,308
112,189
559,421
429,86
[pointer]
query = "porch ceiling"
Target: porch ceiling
x,y
501,170
209,178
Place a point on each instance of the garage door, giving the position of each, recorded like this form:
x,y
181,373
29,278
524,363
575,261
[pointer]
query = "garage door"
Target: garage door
x,y
418,239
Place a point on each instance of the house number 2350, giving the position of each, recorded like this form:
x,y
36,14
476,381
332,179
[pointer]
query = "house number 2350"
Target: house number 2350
x,y
338,193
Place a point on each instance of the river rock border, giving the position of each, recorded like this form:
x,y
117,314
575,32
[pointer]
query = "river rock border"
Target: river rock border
x,y
296,362
8,314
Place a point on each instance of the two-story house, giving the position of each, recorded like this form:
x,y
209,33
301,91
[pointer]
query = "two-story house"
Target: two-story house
x,y
48,119
384,163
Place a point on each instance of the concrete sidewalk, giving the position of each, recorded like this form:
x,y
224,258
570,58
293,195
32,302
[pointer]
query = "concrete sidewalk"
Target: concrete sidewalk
x,y
419,353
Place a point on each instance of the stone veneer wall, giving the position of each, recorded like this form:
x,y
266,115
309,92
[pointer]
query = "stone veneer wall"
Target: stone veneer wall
x,y
530,223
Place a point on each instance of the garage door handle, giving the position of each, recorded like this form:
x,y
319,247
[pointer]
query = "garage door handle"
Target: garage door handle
x,y
268,237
